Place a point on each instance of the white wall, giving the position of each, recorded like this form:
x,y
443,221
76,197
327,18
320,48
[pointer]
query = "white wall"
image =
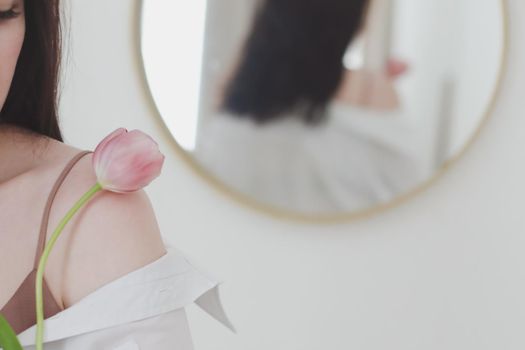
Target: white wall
x,y
453,48
443,271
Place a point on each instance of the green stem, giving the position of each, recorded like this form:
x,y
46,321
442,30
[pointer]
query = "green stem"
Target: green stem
x,y
41,266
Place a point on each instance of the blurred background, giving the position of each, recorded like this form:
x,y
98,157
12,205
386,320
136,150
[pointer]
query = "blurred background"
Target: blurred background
x,y
442,271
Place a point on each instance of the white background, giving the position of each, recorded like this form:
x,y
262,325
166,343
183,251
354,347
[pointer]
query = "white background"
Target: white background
x,y
445,270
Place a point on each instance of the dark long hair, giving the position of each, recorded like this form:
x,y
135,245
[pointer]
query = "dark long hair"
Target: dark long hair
x,y
293,58
32,101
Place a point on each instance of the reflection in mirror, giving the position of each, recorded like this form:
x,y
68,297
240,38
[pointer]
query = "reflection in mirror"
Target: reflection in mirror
x,y
322,106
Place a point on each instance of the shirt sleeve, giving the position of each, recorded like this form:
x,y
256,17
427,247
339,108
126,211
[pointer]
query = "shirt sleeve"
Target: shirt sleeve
x,y
167,331
129,345
145,307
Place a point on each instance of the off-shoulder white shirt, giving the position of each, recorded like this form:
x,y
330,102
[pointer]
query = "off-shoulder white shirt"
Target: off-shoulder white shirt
x,y
143,309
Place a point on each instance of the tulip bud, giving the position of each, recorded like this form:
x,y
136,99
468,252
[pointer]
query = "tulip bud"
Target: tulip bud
x,y
127,161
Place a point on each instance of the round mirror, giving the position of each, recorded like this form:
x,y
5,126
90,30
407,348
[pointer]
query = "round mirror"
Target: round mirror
x,y
323,108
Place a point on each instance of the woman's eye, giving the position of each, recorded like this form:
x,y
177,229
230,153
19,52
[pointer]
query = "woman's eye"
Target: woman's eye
x,y
8,14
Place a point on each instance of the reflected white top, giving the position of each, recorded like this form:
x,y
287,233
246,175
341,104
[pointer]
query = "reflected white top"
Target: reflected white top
x,y
358,159
143,309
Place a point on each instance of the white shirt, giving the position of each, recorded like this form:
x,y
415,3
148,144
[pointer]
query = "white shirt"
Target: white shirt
x,y
358,159
143,309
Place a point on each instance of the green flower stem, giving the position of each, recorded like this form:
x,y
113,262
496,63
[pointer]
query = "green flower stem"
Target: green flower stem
x,y
41,266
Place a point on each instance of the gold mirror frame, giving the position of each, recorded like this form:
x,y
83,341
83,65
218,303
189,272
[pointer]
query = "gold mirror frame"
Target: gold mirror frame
x,y
327,218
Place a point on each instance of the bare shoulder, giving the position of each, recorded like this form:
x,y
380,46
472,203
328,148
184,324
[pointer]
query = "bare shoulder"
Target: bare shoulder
x,y
110,236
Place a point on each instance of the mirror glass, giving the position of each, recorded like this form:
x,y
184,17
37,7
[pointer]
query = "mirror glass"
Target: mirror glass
x,y
322,106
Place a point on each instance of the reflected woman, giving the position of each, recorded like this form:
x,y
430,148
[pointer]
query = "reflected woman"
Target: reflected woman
x,y
286,133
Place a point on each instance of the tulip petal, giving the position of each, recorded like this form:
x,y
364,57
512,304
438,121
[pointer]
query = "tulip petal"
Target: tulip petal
x,y
128,161
102,145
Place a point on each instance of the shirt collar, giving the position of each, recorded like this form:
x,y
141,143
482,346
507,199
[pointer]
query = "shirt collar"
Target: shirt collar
x,y
166,284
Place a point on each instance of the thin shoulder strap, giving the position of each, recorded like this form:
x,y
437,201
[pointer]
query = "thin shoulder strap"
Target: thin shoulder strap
x,y
43,227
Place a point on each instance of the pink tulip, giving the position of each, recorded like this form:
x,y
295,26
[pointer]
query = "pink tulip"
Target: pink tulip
x,y
127,161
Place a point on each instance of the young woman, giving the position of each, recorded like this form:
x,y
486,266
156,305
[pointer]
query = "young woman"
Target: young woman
x,y
110,279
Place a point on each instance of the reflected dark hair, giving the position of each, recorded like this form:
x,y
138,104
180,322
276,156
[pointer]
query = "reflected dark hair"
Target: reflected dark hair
x,y
293,58
32,101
